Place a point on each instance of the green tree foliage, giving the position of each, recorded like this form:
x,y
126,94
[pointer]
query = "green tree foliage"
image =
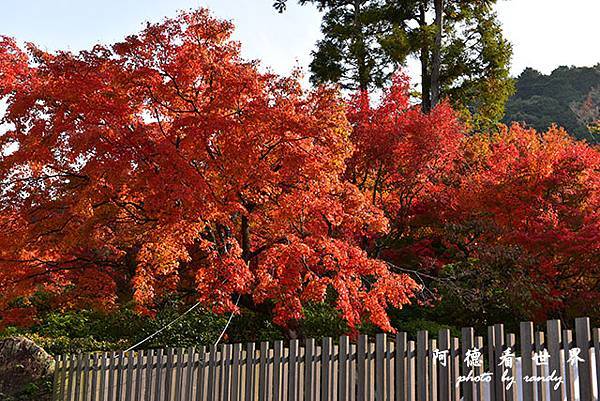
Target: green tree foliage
x,y
542,100
459,44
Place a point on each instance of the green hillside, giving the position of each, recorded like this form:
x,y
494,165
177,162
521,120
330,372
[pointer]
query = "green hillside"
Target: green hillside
x,y
541,100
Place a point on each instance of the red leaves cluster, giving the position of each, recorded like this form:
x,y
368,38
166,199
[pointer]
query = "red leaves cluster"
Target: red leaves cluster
x,y
168,164
165,164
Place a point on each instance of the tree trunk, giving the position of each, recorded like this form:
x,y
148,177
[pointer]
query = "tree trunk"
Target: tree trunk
x,y
437,52
361,62
425,74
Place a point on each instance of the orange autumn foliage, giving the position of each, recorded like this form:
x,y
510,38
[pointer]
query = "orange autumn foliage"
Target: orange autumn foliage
x,y
168,163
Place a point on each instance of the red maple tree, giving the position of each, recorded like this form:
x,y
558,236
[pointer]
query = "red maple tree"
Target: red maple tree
x,y
168,163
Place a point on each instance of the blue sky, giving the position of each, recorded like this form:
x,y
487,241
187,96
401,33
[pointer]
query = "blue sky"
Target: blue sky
x,y
544,33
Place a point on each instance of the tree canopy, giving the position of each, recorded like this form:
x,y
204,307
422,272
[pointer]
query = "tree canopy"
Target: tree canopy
x,y
459,44
558,98
167,163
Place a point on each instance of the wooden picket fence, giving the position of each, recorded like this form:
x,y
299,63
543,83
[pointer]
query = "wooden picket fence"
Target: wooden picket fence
x,y
390,368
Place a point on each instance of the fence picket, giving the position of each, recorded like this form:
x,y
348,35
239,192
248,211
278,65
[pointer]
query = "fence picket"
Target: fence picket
x,y
149,369
569,370
249,391
380,341
455,371
526,337
201,382
432,371
95,369
540,346
138,375
235,372
500,394
325,368
159,368
553,343
309,370
444,364
129,376
582,336
423,384
400,377
468,343
512,393
293,371
411,369
343,368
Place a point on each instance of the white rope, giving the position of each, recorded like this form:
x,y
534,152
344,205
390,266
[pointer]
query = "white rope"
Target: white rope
x,y
228,321
164,328
177,319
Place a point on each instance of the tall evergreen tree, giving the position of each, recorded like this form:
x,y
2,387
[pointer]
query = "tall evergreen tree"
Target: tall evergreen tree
x,y
459,44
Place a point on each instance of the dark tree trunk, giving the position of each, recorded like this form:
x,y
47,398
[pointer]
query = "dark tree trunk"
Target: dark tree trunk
x,y
424,57
361,61
437,53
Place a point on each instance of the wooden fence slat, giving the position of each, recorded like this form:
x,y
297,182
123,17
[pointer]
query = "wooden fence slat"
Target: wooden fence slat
x,y
526,337
201,383
500,394
553,342
388,370
455,370
411,372
583,338
85,386
169,373
491,349
343,368
78,374
94,384
380,342
400,367
139,371
226,371
432,370
478,387
249,393
422,373
129,376
325,368
262,371
212,362
277,369
63,377
293,371
361,367
444,364
541,368
149,375
467,345
56,379
569,369
120,367
102,376
111,375
309,370
190,357
235,372
159,369
178,367
512,393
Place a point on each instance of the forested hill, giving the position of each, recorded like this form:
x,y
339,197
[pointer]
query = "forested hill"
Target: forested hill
x,y
541,100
